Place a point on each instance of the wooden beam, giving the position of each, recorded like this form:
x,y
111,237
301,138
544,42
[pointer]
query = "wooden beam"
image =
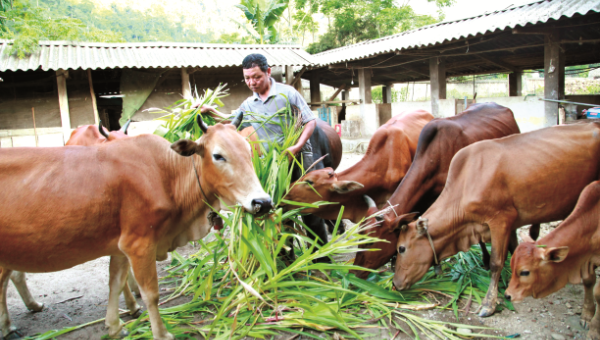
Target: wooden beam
x,y
185,84
289,75
498,63
554,76
315,90
343,87
364,85
63,103
346,101
298,76
437,67
93,94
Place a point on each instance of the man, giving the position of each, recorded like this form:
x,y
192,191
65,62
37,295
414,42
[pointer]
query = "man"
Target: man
x,y
270,96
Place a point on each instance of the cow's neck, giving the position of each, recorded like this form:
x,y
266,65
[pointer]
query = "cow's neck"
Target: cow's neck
x,y
416,184
451,233
187,192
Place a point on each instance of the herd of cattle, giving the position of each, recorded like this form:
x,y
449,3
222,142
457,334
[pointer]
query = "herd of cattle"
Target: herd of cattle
x,y
448,183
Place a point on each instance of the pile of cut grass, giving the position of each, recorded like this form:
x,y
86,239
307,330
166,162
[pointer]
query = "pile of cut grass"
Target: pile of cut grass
x,y
240,287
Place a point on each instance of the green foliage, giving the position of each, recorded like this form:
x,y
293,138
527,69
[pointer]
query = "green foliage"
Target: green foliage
x,y
5,6
27,26
353,21
263,15
33,20
398,95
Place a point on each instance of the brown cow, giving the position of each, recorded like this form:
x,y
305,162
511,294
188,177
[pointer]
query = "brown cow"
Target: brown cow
x,y
569,254
377,174
133,199
495,187
85,135
439,141
92,135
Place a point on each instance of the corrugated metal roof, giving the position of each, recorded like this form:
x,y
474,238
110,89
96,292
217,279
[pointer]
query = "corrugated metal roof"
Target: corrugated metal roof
x,y
538,12
54,55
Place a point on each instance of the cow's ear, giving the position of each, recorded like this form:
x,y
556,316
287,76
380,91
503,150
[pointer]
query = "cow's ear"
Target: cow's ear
x,y
344,187
401,222
555,254
186,147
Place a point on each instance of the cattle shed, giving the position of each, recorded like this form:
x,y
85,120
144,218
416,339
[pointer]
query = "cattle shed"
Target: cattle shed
x,y
63,85
548,35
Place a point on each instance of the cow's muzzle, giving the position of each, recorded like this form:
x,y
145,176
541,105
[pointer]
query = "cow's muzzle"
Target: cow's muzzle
x,y
507,297
261,206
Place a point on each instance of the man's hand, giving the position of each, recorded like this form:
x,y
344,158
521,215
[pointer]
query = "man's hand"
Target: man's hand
x,y
204,109
292,151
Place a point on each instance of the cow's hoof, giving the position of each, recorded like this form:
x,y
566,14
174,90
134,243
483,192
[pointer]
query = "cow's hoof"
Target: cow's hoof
x,y
123,333
584,323
36,307
593,335
13,335
486,311
137,313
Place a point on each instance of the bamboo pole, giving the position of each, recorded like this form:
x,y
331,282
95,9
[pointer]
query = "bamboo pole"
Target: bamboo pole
x,y
94,105
34,128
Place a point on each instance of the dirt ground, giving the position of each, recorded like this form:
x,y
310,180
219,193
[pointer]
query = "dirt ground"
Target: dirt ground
x,y
554,317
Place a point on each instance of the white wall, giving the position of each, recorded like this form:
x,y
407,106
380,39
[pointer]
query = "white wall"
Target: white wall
x,y
528,111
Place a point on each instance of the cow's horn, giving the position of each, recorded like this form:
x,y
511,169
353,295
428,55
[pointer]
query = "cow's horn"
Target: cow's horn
x,y
238,119
369,201
101,129
422,225
125,127
201,123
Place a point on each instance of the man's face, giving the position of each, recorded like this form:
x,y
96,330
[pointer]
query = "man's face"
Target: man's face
x,y
257,80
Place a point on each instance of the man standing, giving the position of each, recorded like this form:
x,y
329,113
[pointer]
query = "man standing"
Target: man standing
x,y
269,97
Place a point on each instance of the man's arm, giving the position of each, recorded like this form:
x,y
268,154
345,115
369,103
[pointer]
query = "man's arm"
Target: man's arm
x,y
308,120
309,128
218,116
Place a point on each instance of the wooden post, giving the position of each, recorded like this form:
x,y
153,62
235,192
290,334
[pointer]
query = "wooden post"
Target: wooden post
x,y
364,85
34,128
289,75
315,92
93,94
277,73
185,84
63,102
554,76
386,93
515,81
437,76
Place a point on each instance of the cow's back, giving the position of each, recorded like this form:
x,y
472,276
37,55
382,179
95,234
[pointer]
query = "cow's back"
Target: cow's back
x,y
541,173
325,141
78,191
407,125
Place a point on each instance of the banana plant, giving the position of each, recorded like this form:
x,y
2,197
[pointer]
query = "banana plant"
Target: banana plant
x,y
263,15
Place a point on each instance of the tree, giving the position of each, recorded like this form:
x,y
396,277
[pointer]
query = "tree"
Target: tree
x,y
353,21
263,15
5,6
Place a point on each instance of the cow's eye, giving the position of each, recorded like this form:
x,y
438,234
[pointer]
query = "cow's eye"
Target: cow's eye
x,y
401,249
379,218
524,273
218,157
308,181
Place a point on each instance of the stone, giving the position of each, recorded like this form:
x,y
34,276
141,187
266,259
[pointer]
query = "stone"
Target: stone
x,y
568,305
557,336
464,330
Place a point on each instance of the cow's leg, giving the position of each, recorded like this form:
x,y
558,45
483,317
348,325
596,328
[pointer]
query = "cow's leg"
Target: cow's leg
x,y
317,226
18,278
134,309
513,243
143,263
501,233
485,255
8,331
534,231
594,332
589,309
133,284
117,280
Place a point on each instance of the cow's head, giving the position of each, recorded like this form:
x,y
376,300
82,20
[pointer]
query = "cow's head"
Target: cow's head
x,y
535,271
320,185
225,165
386,230
415,255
